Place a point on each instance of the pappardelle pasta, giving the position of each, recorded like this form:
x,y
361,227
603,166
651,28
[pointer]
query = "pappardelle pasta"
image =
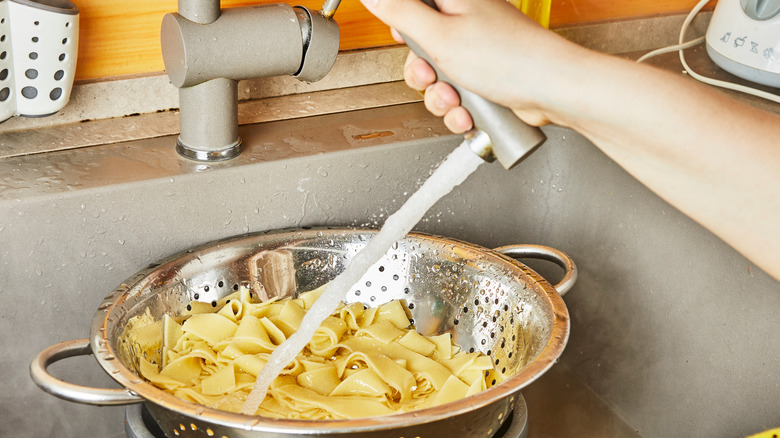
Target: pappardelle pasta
x,y
362,362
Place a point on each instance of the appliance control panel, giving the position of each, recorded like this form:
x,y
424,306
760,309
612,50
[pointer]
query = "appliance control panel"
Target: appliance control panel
x,y
744,46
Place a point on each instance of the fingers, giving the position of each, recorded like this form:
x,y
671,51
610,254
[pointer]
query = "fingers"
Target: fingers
x,y
458,120
418,21
397,36
418,74
442,100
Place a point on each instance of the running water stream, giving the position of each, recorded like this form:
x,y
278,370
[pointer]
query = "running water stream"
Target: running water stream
x,y
461,163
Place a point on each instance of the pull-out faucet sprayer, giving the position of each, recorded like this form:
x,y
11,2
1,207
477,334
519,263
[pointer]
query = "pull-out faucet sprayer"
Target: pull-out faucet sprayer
x,y
498,133
207,50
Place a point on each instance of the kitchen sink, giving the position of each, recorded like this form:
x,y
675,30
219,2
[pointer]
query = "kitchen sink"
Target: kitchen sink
x,y
673,332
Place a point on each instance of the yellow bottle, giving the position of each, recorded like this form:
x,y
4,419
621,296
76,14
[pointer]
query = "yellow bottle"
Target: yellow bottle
x,y
772,433
538,10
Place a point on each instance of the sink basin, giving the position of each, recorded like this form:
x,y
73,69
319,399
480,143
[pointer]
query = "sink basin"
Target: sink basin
x,y
672,331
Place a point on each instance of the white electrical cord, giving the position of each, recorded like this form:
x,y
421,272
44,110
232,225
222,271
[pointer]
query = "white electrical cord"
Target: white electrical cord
x,y
684,45
673,48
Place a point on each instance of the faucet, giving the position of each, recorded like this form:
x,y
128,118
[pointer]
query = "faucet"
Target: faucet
x,y
207,50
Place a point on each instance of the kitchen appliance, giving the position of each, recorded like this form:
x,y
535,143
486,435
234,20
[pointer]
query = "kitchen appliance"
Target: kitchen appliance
x,y
485,298
743,38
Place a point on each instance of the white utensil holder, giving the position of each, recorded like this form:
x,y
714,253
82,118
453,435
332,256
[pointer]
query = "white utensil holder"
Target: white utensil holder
x,y
38,51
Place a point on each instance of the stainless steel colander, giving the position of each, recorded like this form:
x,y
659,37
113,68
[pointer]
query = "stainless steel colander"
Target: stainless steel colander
x,y
485,298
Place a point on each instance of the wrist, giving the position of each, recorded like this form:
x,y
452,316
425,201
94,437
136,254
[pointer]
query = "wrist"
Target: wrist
x,y
562,83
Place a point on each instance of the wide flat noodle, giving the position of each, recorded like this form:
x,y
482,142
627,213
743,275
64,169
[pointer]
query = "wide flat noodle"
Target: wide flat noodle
x,y
211,327
361,362
339,407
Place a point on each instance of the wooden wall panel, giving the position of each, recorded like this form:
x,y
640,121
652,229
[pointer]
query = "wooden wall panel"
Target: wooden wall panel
x,y
121,37
564,12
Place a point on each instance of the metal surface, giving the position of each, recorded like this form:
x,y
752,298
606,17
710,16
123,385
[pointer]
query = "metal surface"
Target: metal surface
x,y
549,254
208,121
139,424
320,47
69,391
329,8
479,143
100,397
488,302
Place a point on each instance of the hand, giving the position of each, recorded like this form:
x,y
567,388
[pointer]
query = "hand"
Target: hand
x,y
486,46
676,136
440,98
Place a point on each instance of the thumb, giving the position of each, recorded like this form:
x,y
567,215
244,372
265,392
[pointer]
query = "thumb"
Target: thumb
x,y
412,18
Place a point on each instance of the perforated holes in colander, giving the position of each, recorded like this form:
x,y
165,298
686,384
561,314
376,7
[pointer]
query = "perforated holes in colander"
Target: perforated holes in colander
x,y
384,285
486,320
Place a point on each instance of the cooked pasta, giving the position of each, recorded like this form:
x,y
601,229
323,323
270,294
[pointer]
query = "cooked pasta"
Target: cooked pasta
x,y
361,362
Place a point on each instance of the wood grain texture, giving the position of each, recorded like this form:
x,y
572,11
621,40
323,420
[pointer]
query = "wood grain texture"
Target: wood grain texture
x,y
122,37
563,12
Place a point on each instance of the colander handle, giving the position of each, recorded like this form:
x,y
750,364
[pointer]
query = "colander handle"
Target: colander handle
x,y
545,253
69,391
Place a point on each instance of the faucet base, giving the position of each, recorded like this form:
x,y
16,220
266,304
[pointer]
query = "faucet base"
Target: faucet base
x,y
227,153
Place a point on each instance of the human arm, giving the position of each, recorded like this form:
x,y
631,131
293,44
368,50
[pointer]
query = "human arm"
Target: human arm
x,y
715,159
